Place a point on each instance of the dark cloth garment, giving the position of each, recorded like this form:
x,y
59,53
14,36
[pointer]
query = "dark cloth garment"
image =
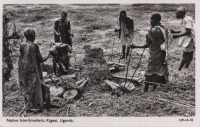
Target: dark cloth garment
x,y
186,60
64,28
45,89
156,61
7,65
157,70
7,61
60,57
128,22
29,78
39,61
154,79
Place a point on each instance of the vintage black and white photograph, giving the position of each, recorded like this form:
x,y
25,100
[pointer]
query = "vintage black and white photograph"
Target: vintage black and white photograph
x,y
98,60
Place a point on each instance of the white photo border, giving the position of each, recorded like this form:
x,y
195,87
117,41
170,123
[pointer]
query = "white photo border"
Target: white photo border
x,y
113,121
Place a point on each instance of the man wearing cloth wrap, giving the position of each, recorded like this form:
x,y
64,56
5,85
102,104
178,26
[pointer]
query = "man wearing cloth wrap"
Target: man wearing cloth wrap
x,y
157,70
126,33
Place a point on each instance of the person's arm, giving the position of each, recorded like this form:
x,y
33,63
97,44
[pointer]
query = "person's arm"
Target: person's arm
x,y
39,55
175,31
66,46
63,45
117,29
131,30
56,28
147,45
69,28
46,58
14,35
187,32
21,50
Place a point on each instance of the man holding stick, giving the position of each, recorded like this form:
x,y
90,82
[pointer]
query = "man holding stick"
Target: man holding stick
x,y
157,70
126,32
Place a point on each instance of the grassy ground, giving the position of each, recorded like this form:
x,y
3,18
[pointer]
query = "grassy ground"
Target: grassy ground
x,y
94,25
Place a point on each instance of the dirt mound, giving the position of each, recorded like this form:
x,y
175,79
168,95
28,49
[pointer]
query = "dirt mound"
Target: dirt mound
x,y
95,66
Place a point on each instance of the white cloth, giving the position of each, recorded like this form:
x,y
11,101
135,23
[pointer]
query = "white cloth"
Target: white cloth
x,y
187,22
126,40
164,46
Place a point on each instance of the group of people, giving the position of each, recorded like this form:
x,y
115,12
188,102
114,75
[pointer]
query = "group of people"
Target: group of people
x,y
156,41
36,93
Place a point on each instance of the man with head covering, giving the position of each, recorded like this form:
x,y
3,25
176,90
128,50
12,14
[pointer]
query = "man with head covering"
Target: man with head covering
x,y
126,32
62,30
157,71
30,77
186,35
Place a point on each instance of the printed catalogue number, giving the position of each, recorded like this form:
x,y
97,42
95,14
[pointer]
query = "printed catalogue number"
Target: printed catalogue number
x,y
186,120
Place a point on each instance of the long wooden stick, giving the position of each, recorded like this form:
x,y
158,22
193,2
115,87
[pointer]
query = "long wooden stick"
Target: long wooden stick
x,y
57,79
23,107
137,65
22,111
110,84
128,78
80,81
68,110
127,67
83,84
112,48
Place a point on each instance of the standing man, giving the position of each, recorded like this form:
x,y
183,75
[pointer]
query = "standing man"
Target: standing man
x,y
62,30
126,32
157,70
186,35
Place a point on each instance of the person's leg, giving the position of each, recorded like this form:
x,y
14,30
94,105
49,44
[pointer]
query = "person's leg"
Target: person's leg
x,y
9,62
127,52
61,69
163,56
123,52
153,79
46,95
65,62
146,87
184,60
189,59
69,40
54,67
146,83
28,101
158,79
155,86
